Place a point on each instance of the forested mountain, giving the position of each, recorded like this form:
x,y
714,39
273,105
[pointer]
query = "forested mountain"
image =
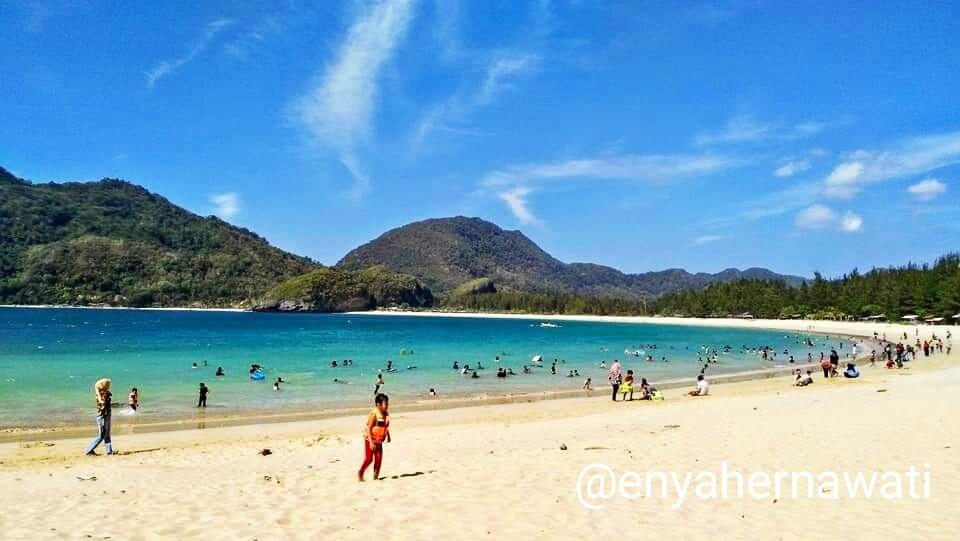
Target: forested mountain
x,y
922,290
112,242
446,253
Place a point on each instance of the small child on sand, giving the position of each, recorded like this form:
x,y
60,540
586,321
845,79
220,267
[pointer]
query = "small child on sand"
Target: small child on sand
x,y
375,433
626,388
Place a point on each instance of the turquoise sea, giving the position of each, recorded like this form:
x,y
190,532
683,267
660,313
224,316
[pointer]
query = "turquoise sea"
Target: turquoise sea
x,y
50,358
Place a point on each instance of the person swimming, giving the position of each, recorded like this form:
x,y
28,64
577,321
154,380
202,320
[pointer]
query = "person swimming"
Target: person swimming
x,y
219,371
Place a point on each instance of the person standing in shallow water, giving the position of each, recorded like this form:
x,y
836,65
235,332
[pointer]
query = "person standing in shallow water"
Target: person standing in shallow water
x,y
101,392
202,401
375,433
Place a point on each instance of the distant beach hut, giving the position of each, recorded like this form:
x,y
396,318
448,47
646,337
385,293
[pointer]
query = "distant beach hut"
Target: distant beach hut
x,y
911,317
934,320
956,316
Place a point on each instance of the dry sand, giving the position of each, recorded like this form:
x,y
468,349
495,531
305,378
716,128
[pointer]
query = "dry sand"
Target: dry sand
x,y
499,471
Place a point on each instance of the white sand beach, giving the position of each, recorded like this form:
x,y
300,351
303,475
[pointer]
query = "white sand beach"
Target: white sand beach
x,y
511,471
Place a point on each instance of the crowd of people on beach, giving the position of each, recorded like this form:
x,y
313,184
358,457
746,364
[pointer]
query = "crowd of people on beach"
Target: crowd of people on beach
x,y
623,381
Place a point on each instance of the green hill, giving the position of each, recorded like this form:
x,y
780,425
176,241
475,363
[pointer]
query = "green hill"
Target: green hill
x,y
331,290
446,253
115,243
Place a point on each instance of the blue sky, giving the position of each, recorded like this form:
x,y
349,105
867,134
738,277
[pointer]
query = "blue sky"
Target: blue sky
x,y
798,136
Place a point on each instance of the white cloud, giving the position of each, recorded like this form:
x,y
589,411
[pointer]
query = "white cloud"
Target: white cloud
x,y
512,184
822,217
851,223
500,70
928,189
912,156
815,217
167,67
773,204
707,239
791,168
842,182
740,129
336,111
226,204
647,167
516,200
449,113
745,129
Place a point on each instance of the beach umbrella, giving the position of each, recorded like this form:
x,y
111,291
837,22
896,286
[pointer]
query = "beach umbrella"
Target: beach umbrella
x,y
957,316
910,317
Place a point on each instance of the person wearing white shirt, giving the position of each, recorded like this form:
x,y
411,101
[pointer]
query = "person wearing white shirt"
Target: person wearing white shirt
x,y
703,388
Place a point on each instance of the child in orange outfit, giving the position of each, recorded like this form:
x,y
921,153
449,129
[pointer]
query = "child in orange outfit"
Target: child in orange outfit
x,y
376,432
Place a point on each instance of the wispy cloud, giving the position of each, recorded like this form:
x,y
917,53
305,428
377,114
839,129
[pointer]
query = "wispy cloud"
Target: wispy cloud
x,y
499,75
245,42
707,239
489,74
501,70
771,205
927,190
746,129
822,217
643,167
792,167
512,184
167,67
516,200
914,156
336,111
226,205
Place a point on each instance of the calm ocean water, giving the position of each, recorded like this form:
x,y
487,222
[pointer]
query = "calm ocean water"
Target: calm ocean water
x,y
50,358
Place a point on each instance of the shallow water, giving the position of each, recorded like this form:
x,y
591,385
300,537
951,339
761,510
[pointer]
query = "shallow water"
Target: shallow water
x,y
49,358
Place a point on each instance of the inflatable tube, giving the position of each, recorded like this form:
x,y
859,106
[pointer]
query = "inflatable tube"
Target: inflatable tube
x,y
258,375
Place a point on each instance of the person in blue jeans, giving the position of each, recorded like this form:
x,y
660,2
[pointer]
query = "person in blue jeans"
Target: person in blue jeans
x,y
101,391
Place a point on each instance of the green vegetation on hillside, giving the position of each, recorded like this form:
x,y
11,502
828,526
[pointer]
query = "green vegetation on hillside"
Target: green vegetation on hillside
x,y
926,291
543,303
331,290
445,253
115,243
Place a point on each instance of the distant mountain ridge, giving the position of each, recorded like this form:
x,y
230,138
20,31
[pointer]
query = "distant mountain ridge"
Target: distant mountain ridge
x,y
445,253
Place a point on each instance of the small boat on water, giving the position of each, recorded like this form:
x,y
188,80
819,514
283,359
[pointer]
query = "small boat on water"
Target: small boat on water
x,y
548,325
